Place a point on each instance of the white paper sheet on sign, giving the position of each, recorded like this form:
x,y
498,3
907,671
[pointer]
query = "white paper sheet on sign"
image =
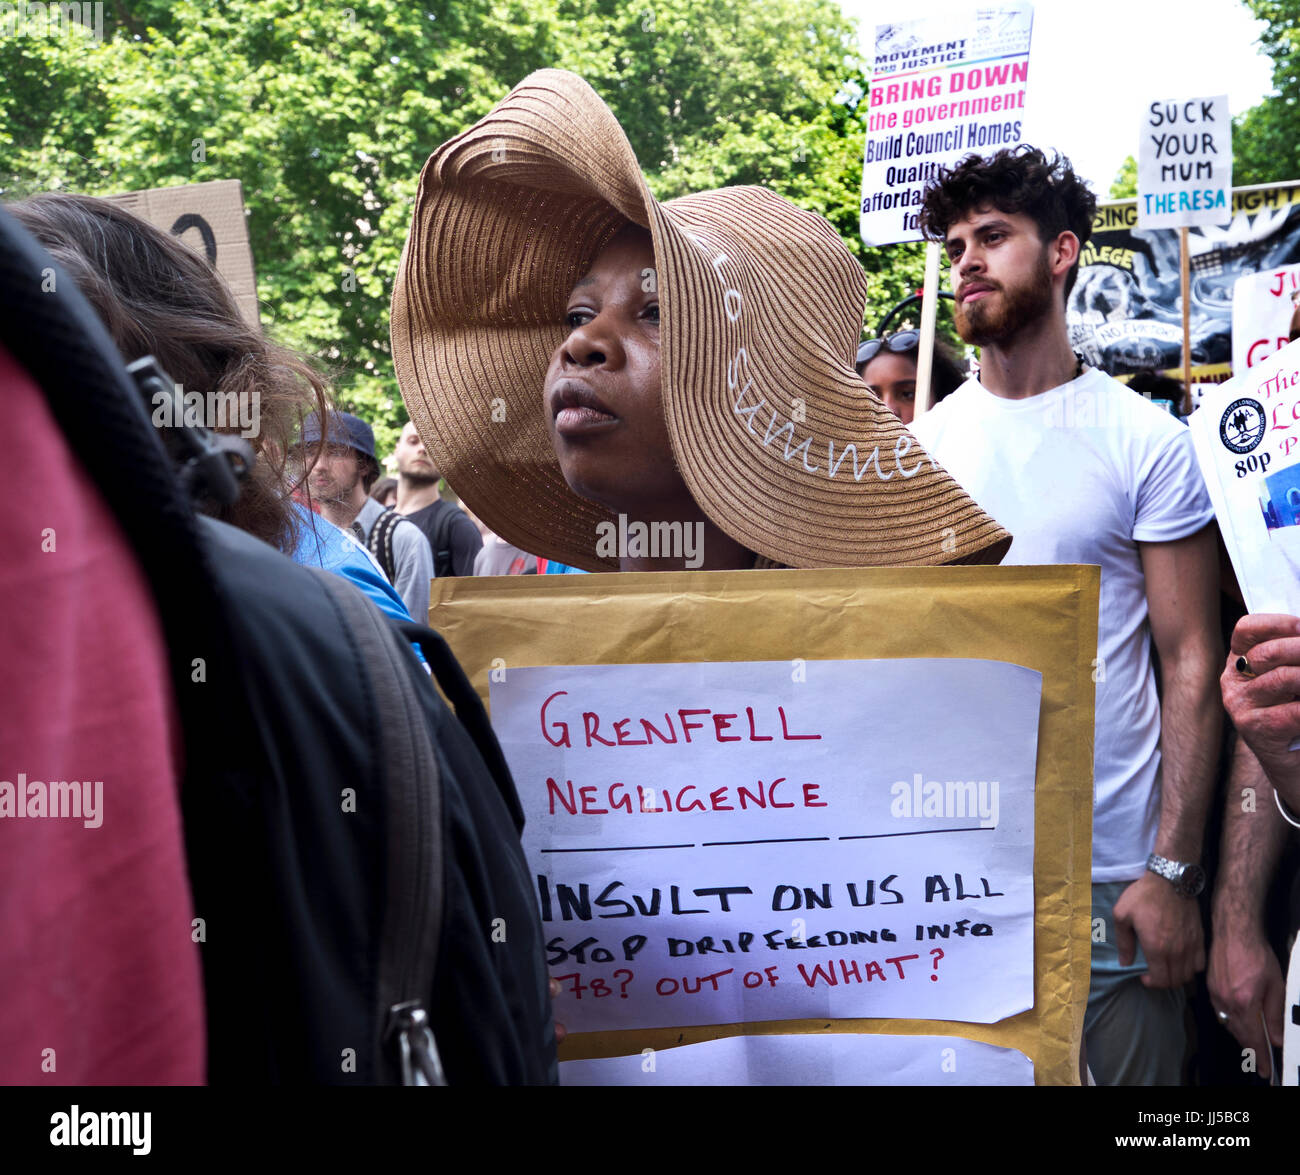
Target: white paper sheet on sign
x,y
717,843
813,1059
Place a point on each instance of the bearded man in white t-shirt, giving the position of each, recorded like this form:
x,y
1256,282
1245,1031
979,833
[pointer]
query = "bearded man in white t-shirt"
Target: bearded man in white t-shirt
x,y
1082,470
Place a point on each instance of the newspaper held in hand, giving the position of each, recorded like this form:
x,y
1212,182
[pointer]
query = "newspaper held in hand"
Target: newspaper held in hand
x,y
1247,438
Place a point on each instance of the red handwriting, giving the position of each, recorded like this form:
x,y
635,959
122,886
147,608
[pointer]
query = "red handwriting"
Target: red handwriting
x,y
1254,354
598,987
670,986
722,728
618,798
1283,279
849,972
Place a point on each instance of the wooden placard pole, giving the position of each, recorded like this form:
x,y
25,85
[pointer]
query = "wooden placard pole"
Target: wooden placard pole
x,y
1185,270
929,313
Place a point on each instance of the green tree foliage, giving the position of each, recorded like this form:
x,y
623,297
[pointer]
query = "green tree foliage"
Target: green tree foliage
x,y
1266,139
327,113
1125,184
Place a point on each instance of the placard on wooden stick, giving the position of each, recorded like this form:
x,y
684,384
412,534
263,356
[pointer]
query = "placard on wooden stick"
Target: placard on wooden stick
x,y
944,85
1185,178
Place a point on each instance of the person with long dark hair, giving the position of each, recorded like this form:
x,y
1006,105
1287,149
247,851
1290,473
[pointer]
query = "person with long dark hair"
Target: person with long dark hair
x,y
158,297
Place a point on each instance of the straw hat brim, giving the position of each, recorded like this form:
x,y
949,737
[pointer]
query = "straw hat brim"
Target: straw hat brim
x,y
776,437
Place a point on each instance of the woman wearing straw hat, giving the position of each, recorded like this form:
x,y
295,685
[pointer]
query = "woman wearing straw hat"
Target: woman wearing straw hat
x,y
581,358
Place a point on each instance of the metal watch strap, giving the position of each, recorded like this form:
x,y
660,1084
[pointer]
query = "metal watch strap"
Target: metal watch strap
x,y
1169,870
1188,879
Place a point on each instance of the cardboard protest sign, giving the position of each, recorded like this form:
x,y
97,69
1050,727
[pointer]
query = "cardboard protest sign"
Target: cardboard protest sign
x,y
705,831
1185,163
1247,438
1262,307
943,85
914,679
209,218
1124,314
824,1059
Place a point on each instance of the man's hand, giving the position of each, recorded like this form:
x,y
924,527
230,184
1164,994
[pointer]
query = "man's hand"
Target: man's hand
x,y
1245,976
1245,981
1265,708
1168,927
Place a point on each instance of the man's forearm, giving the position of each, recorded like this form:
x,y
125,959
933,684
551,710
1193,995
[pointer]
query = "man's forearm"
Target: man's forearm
x,y
1191,723
1253,838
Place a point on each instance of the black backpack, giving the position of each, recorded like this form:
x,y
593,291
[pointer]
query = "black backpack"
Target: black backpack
x,y
353,844
440,540
443,562
380,542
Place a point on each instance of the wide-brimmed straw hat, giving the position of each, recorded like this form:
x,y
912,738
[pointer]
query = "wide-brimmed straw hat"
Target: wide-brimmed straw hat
x,y
760,305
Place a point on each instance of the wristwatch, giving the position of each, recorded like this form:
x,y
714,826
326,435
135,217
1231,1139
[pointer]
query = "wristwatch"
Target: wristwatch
x,y
1187,880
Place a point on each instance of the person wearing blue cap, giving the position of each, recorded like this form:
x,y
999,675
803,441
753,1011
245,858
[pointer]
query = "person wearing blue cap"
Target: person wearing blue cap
x,y
339,467
344,469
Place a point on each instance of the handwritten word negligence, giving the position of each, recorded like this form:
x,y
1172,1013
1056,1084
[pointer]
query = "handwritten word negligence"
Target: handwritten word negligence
x,y
684,799
556,730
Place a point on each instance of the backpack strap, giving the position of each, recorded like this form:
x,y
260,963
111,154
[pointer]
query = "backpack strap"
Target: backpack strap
x,y
413,913
443,564
381,542
468,707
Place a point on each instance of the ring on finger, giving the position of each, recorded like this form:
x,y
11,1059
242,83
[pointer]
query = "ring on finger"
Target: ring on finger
x,y
1243,667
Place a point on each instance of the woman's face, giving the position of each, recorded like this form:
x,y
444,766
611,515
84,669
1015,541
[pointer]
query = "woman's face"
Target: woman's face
x,y
893,378
602,390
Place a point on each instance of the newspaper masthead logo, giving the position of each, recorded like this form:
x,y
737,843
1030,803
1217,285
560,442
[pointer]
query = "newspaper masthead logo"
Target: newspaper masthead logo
x,y
1242,426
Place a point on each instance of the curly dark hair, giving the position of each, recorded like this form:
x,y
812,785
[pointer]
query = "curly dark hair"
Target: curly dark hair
x,y
1016,179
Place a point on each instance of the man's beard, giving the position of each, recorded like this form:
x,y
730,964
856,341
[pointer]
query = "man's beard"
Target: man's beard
x,y
335,492
998,317
419,476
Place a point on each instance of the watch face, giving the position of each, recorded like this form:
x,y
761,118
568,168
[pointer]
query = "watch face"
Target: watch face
x,y
1192,882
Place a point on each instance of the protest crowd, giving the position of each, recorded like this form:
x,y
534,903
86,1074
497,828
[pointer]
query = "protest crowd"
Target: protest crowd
x,y
311,868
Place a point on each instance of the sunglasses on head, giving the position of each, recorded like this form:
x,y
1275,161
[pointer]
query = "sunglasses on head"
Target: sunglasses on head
x,y
903,340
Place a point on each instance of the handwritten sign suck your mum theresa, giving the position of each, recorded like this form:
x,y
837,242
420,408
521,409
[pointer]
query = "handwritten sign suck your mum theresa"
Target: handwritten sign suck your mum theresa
x,y
716,843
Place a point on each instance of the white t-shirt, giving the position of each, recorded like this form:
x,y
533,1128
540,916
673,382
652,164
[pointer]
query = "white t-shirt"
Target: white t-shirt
x,y
1082,474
